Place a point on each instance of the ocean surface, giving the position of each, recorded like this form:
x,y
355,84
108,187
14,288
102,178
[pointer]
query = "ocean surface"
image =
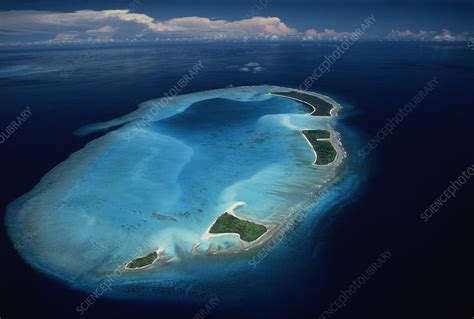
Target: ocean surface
x,y
374,206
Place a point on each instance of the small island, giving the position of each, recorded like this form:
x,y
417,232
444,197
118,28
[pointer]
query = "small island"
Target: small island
x,y
319,140
317,134
320,107
142,262
247,230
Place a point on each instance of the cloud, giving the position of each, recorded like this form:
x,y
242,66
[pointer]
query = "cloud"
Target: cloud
x,y
253,64
327,34
255,25
422,35
126,25
244,69
253,67
65,37
104,29
311,33
447,36
40,27
408,34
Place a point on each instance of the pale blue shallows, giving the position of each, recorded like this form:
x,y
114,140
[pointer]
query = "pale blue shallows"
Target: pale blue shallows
x,y
163,185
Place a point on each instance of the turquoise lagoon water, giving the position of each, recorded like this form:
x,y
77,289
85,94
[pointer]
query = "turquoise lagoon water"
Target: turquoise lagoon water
x,y
161,186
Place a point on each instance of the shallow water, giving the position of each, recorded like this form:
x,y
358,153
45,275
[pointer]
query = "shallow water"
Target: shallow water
x,y
161,188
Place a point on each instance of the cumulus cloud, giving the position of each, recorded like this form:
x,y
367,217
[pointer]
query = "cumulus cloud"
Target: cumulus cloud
x,y
255,25
245,69
447,36
327,34
311,33
104,29
65,37
86,23
408,34
253,67
422,35
253,64
31,26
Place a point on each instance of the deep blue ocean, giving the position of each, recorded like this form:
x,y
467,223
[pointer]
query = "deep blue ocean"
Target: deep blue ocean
x,y
430,273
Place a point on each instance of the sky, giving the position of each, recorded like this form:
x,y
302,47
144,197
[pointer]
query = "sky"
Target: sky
x,y
54,21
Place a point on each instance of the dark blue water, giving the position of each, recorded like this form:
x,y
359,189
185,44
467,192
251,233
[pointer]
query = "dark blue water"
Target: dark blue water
x,y
430,273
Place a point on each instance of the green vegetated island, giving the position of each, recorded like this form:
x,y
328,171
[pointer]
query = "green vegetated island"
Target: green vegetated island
x,y
321,107
142,262
247,230
317,134
319,139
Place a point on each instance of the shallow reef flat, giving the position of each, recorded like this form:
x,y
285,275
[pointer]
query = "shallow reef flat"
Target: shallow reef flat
x,y
147,195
